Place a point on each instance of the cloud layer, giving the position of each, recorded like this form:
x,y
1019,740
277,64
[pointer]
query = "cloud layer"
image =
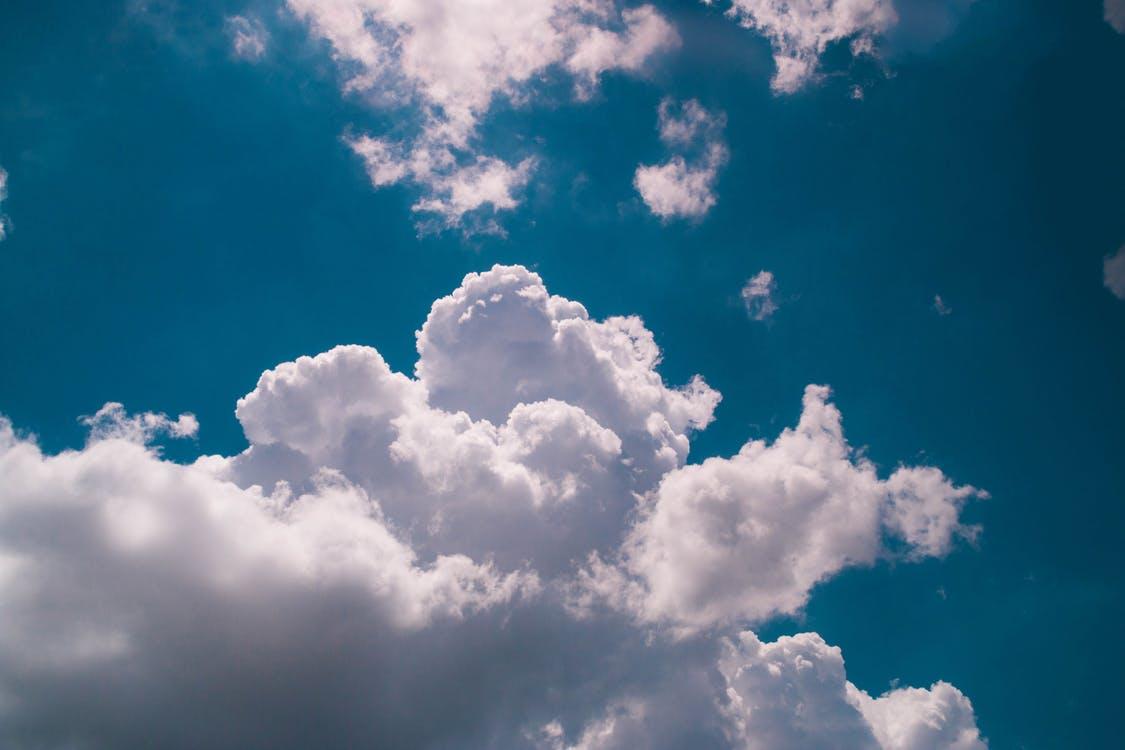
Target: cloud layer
x,y
506,549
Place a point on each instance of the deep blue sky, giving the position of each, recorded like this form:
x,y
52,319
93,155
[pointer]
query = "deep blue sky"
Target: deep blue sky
x,y
183,220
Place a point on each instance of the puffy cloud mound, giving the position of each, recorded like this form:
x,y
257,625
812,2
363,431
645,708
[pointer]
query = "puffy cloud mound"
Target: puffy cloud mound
x,y
386,540
684,186
745,538
451,60
793,693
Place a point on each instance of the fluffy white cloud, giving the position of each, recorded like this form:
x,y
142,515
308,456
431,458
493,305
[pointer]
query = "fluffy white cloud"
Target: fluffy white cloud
x,y
800,31
248,37
112,421
387,539
794,693
526,433
1113,272
745,538
452,60
1115,15
757,296
684,186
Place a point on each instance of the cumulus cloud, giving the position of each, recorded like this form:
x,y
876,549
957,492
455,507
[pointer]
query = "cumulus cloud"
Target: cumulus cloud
x,y
791,693
741,539
248,37
1115,15
450,61
113,422
800,31
1113,272
794,693
684,186
387,539
757,296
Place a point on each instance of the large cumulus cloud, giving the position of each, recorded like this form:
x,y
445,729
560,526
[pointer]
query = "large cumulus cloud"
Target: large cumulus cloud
x,y
424,560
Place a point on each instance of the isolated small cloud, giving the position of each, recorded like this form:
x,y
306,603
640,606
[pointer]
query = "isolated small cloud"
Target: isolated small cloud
x,y
757,296
684,186
1115,14
3,196
940,307
1113,270
248,37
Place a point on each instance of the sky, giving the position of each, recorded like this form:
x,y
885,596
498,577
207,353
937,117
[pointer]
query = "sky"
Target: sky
x,y
563,374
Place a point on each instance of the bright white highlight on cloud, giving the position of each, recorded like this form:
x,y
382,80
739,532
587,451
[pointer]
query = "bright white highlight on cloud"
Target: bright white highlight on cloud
x,y
1113,271
452,60
387,539
684,186
745,538
793,693
1115,15
757,296
248,37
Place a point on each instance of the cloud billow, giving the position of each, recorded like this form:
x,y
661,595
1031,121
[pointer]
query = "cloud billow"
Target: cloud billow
x,y
505,549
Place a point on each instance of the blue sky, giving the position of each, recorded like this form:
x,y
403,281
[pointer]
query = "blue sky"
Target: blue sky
x,y
181,217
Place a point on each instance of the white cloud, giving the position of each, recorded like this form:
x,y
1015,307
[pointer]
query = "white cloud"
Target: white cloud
x,y
742,539
757,295
387,538
1115,15
684,186
452,60
801,30
248,37
3,196
791,693
1113,270
794,693
113,422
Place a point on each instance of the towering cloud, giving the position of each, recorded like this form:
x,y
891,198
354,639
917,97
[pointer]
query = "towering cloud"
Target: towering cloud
x,y
427,560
